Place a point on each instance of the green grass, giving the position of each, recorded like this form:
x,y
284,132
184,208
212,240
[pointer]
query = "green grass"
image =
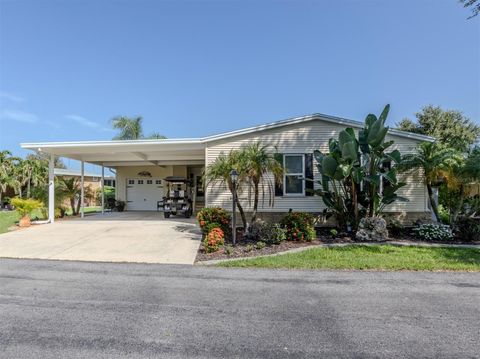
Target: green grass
x,y
382,257
7,220
91,209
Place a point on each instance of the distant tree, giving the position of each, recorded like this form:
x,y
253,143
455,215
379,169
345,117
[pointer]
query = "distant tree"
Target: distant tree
x,y
156,135
473,4
451,128
131,129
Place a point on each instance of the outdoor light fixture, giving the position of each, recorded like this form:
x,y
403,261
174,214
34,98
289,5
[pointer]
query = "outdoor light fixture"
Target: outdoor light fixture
x,y
234,176
234,179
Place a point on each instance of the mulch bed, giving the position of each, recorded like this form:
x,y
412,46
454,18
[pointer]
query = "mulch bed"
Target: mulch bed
x,y
241,250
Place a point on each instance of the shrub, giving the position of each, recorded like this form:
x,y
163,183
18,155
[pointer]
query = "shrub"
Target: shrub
x,y
24,207
298,226
228,250
434,232
333,233
444,214
270,233
260,245
211,215
468,229
395,227
214,239
249,248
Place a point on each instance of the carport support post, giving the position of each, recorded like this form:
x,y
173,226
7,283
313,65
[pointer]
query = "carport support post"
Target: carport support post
x,y
51,189
82,191
103,189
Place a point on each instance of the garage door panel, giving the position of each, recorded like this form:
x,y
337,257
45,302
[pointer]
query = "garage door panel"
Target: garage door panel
x,y
144,193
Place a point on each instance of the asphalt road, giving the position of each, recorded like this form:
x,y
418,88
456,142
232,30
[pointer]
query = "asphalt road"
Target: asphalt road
x,y
54,309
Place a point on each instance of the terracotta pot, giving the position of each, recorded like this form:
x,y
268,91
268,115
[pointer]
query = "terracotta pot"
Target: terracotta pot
x,y
25,222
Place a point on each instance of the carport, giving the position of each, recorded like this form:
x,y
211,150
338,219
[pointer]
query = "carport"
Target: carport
x,y
140,162
141,237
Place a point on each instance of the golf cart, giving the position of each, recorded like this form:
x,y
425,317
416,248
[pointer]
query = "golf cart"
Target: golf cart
x,y
178,197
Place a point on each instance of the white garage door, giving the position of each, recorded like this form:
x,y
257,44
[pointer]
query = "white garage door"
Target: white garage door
x,y
144,193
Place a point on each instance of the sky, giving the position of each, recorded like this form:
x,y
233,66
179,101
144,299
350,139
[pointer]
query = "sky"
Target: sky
x,y
196,68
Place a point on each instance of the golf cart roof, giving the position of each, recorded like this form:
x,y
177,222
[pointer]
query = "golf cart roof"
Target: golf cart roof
x,y
176,179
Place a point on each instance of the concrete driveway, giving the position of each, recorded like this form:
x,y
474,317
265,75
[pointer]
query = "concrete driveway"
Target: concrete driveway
x,y
143,237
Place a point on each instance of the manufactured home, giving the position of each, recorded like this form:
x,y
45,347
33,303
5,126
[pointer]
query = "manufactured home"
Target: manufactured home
x,y
141,166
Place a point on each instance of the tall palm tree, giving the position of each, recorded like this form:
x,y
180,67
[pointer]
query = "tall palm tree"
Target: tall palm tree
x,y
130,128
261,167
219,171
436,162
34,172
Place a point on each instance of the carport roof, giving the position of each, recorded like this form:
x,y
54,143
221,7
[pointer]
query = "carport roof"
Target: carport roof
x,y
173,150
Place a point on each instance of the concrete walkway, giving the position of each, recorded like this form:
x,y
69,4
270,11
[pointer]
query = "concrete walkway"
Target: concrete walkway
x,y
142,237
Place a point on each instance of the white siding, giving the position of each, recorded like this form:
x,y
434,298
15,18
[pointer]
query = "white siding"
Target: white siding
x,y
305,138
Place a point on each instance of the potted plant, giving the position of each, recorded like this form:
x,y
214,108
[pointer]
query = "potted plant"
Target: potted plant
x,y
24,207
120,206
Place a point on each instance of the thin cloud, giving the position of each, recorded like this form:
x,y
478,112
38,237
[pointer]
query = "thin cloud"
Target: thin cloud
x,y
83,121
11,97
87,123
18,116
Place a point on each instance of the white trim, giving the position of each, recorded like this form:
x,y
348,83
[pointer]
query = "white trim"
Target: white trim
x,y
51,189
82,189
285,174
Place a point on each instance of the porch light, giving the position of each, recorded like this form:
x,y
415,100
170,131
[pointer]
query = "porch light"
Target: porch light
x,y
234,176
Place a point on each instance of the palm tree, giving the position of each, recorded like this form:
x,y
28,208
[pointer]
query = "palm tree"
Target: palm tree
x,y
156,135
258,164
7,171
70,188
34,172
130,128
219,171
460,175
436,162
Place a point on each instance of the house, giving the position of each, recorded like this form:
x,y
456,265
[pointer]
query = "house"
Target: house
x,y
142,165
91,181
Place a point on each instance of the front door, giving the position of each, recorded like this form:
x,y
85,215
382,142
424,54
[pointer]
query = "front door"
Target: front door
x,y
144,193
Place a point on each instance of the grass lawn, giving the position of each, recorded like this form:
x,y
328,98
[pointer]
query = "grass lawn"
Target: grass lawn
x,y
383,257
7,220
91,209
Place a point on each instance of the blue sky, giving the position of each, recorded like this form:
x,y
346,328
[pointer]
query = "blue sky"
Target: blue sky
x,y
194,68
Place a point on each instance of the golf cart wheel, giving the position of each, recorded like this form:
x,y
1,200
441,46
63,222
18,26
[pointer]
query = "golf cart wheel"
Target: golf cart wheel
x,y
166,215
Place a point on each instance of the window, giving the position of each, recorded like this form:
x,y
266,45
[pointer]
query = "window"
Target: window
x,y
140,182
131,182
158,181
294,168
149,182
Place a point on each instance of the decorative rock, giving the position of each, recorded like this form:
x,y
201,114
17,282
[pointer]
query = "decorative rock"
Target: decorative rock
x,y
372,229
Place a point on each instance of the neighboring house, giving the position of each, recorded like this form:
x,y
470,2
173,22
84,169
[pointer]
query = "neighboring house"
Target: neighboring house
x,y
142,165
90,180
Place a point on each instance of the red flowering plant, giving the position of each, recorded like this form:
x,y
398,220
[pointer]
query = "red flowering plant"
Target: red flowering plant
x,y
299,226
210,217
214,240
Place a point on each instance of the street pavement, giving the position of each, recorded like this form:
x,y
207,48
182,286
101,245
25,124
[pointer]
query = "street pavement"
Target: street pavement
x,y
64,309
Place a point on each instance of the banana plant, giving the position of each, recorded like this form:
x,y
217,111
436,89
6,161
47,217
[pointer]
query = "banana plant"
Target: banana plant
x,y
358,175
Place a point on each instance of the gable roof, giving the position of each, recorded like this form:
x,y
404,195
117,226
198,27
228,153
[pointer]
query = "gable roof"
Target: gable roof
x,y
315,116
173,144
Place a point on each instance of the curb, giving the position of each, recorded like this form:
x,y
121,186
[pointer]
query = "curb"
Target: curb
x,y
326,245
